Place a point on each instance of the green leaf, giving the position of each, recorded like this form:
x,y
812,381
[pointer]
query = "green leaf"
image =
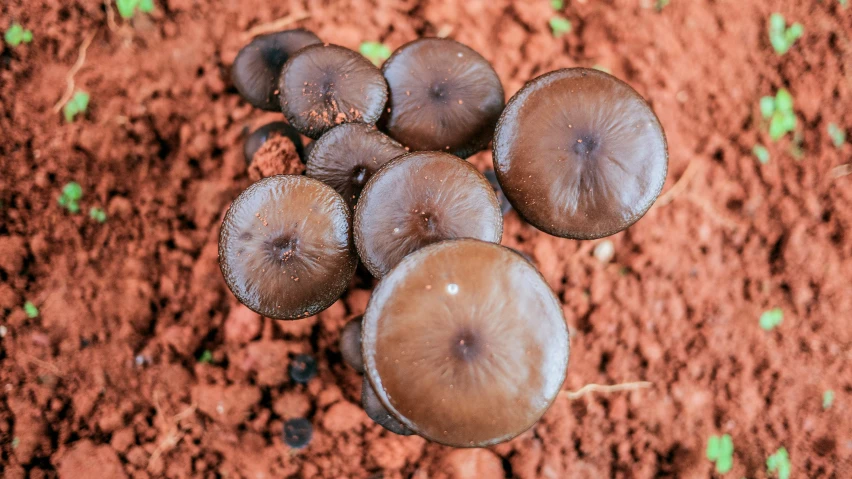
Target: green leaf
x,y
15,442
376,52
714,447
30,310
661,4
724,464
73,207
78,104
126,8
557,4
779,463
206,357
98,214
777,22
783,101
560,26
726,446
72,191
777,127
761,153
837,135
146,6
795,32
772,318
779,43
16,35
827,399
767,106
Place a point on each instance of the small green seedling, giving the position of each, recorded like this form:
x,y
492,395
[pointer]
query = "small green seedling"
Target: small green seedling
x,y
779,463
557,4
16,35
15,442
761,153
772,318
98,214
70,197
78,104
780,36
560,26
375,52
837,135
30,310
127,8
720,450
827,399
779,112
206,357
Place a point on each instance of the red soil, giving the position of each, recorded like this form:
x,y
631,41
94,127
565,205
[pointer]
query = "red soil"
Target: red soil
x,y
107,375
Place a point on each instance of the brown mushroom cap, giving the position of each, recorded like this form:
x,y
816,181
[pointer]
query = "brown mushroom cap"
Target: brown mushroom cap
x,y
348,155
580,154
257,66
465,343
443,96
285,247
350,344
419,199
377,412
325,85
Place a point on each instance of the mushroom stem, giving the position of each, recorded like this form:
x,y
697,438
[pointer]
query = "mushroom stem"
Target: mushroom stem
x,y
603,388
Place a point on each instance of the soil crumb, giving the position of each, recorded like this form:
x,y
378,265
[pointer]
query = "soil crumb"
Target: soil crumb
x,y
278,156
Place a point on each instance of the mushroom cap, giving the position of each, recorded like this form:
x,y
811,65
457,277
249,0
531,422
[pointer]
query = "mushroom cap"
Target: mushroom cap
x,y
285,247
377,412
348,155
257,66
325,85
580,154
443,96
465,343
258,138
419,199
350,344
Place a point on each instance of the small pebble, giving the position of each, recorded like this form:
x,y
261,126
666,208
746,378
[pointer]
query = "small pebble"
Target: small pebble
x,y
604,251
3,331
298,432
303,368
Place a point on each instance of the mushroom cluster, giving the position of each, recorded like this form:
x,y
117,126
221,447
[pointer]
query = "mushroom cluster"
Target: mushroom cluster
x,y
463,342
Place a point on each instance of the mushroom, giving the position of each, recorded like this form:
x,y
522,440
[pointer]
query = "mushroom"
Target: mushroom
x,y
350,344
419,199
580,154
325,85
443,96
377,412
285,247
257,66
505,206
270,130
464,343
348,155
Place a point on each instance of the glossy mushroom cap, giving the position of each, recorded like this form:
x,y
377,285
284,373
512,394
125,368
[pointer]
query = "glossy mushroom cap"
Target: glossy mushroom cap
x,y
325,85
377,412
259,137
348,155
285,247
580,154
419,199
350,344
465,343
443,96
257,66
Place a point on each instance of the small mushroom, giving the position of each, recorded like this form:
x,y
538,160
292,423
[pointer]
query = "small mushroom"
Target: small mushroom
x,y
465,343
350,344
419,199
325,85
348,155
285,247
580,154
374,409
270,130
443,96
257,66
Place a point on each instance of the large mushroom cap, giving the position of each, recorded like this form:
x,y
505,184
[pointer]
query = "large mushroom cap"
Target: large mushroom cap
x,y
419,199
326,85
443,96
285,247
257,66
465,343
348,155
580,154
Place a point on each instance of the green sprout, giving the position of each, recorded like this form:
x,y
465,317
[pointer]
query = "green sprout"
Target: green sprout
x,y
206,357
837,135
70,197
779,463
557,4
15,442
30,310
127,8
827,399
98,214
761,153
779,112
720,450
375,52
659,5
76,105
560,26
772,318
16,35
781,37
